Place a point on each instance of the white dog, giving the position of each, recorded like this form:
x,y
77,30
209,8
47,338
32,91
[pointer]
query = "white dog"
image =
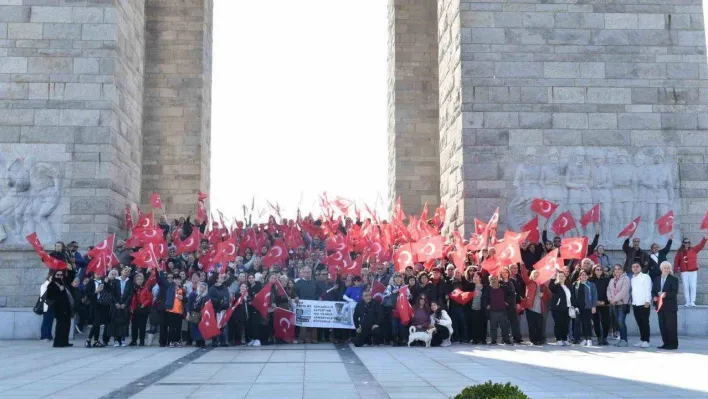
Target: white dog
x,y
423,336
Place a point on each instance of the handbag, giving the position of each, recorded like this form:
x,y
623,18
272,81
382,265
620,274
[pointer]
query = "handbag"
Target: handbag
x,y
571,312
194,317
390,301
39,307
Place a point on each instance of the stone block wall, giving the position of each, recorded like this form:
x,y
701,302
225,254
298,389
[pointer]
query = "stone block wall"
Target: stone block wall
x,y
547,89
414,160
177,110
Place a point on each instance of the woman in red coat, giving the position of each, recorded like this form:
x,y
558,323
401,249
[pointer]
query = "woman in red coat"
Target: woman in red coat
x,y
686,262
535,303
140,307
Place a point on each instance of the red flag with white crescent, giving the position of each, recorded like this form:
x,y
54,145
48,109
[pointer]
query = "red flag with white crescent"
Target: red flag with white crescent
x,y
491,265
592,216
277,254
461,297
508,252
479,227
564,223
208,325
284,325
493,221
201,212
429,248
477,242
146,221
574,248
514,236
543,207
532,228
546,267
202,197
631,228
262,300
665,224
377,291
403,256
190,244
404,310
155,201
230,311
34,242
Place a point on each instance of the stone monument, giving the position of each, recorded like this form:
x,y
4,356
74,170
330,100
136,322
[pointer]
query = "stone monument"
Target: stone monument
x,y
103,103
577,102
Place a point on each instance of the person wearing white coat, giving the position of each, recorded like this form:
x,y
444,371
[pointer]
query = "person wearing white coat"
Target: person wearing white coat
x,y
641,302
441,323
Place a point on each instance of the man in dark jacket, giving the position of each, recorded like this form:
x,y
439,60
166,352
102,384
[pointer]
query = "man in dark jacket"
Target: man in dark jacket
x,y
664,290
367,318
634,255
307,288
656,257
219,296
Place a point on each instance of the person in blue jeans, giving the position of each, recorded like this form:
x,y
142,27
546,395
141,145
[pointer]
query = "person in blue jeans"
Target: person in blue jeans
x,y
618,298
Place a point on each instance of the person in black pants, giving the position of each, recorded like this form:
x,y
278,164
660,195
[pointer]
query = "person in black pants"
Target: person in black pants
x,y
560,303
140,307
584,299
513,300
601,318
664,291
60,297
367,320
99,301
478,312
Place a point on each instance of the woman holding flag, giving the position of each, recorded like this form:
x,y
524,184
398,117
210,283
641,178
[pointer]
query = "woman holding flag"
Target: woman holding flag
x,y
195,303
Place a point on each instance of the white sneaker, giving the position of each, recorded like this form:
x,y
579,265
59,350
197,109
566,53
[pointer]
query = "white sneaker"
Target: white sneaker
x,y
122,344
150,338
583,342
638,344
693,305
588,343
446,343
256,343
116,345
645,345
250,343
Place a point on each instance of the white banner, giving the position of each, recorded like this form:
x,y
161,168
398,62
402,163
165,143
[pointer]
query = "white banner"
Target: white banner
x,y
325,314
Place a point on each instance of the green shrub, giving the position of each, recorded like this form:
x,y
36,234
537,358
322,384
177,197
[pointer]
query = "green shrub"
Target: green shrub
x,y
490,390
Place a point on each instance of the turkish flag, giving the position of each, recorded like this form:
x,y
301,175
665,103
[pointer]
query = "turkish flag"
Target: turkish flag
x,y
477,242
461,297
100,264
128,218
377,290
277,254
704,224
142,237
335,260
543,207
507,253
564,223
514,236
52,262
574,248
631,228
493,221
202,197
350,266
336,242
592,216
191,243
546,267
429,248
403,256
208,326
439,218
105,248
230,311
201,212
665,224
532,228
146,222
284,325
155,201
479,227
660,302
146,257
261,301
228,249
404,310
491,265
34,242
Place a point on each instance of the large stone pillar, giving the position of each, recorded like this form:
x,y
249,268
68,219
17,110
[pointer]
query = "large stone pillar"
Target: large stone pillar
x,y
71,77
556,96
177,124
414,161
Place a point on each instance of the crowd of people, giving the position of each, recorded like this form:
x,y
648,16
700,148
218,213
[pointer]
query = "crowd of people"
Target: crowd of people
x,y
588,299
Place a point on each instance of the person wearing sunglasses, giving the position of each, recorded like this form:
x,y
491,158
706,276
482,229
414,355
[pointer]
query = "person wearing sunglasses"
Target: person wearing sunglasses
x,y
686,262
60,297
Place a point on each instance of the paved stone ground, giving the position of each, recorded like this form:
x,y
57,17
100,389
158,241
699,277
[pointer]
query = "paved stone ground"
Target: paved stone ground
x,y
31,369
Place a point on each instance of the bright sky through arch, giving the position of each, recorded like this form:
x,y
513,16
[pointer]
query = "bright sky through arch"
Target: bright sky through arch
x,y
299,103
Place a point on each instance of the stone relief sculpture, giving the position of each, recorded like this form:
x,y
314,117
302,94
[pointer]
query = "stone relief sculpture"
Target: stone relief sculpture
x,y
625,185
30,194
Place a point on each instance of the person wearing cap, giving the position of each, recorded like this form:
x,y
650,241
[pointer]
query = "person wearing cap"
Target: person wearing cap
x,y
438,290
